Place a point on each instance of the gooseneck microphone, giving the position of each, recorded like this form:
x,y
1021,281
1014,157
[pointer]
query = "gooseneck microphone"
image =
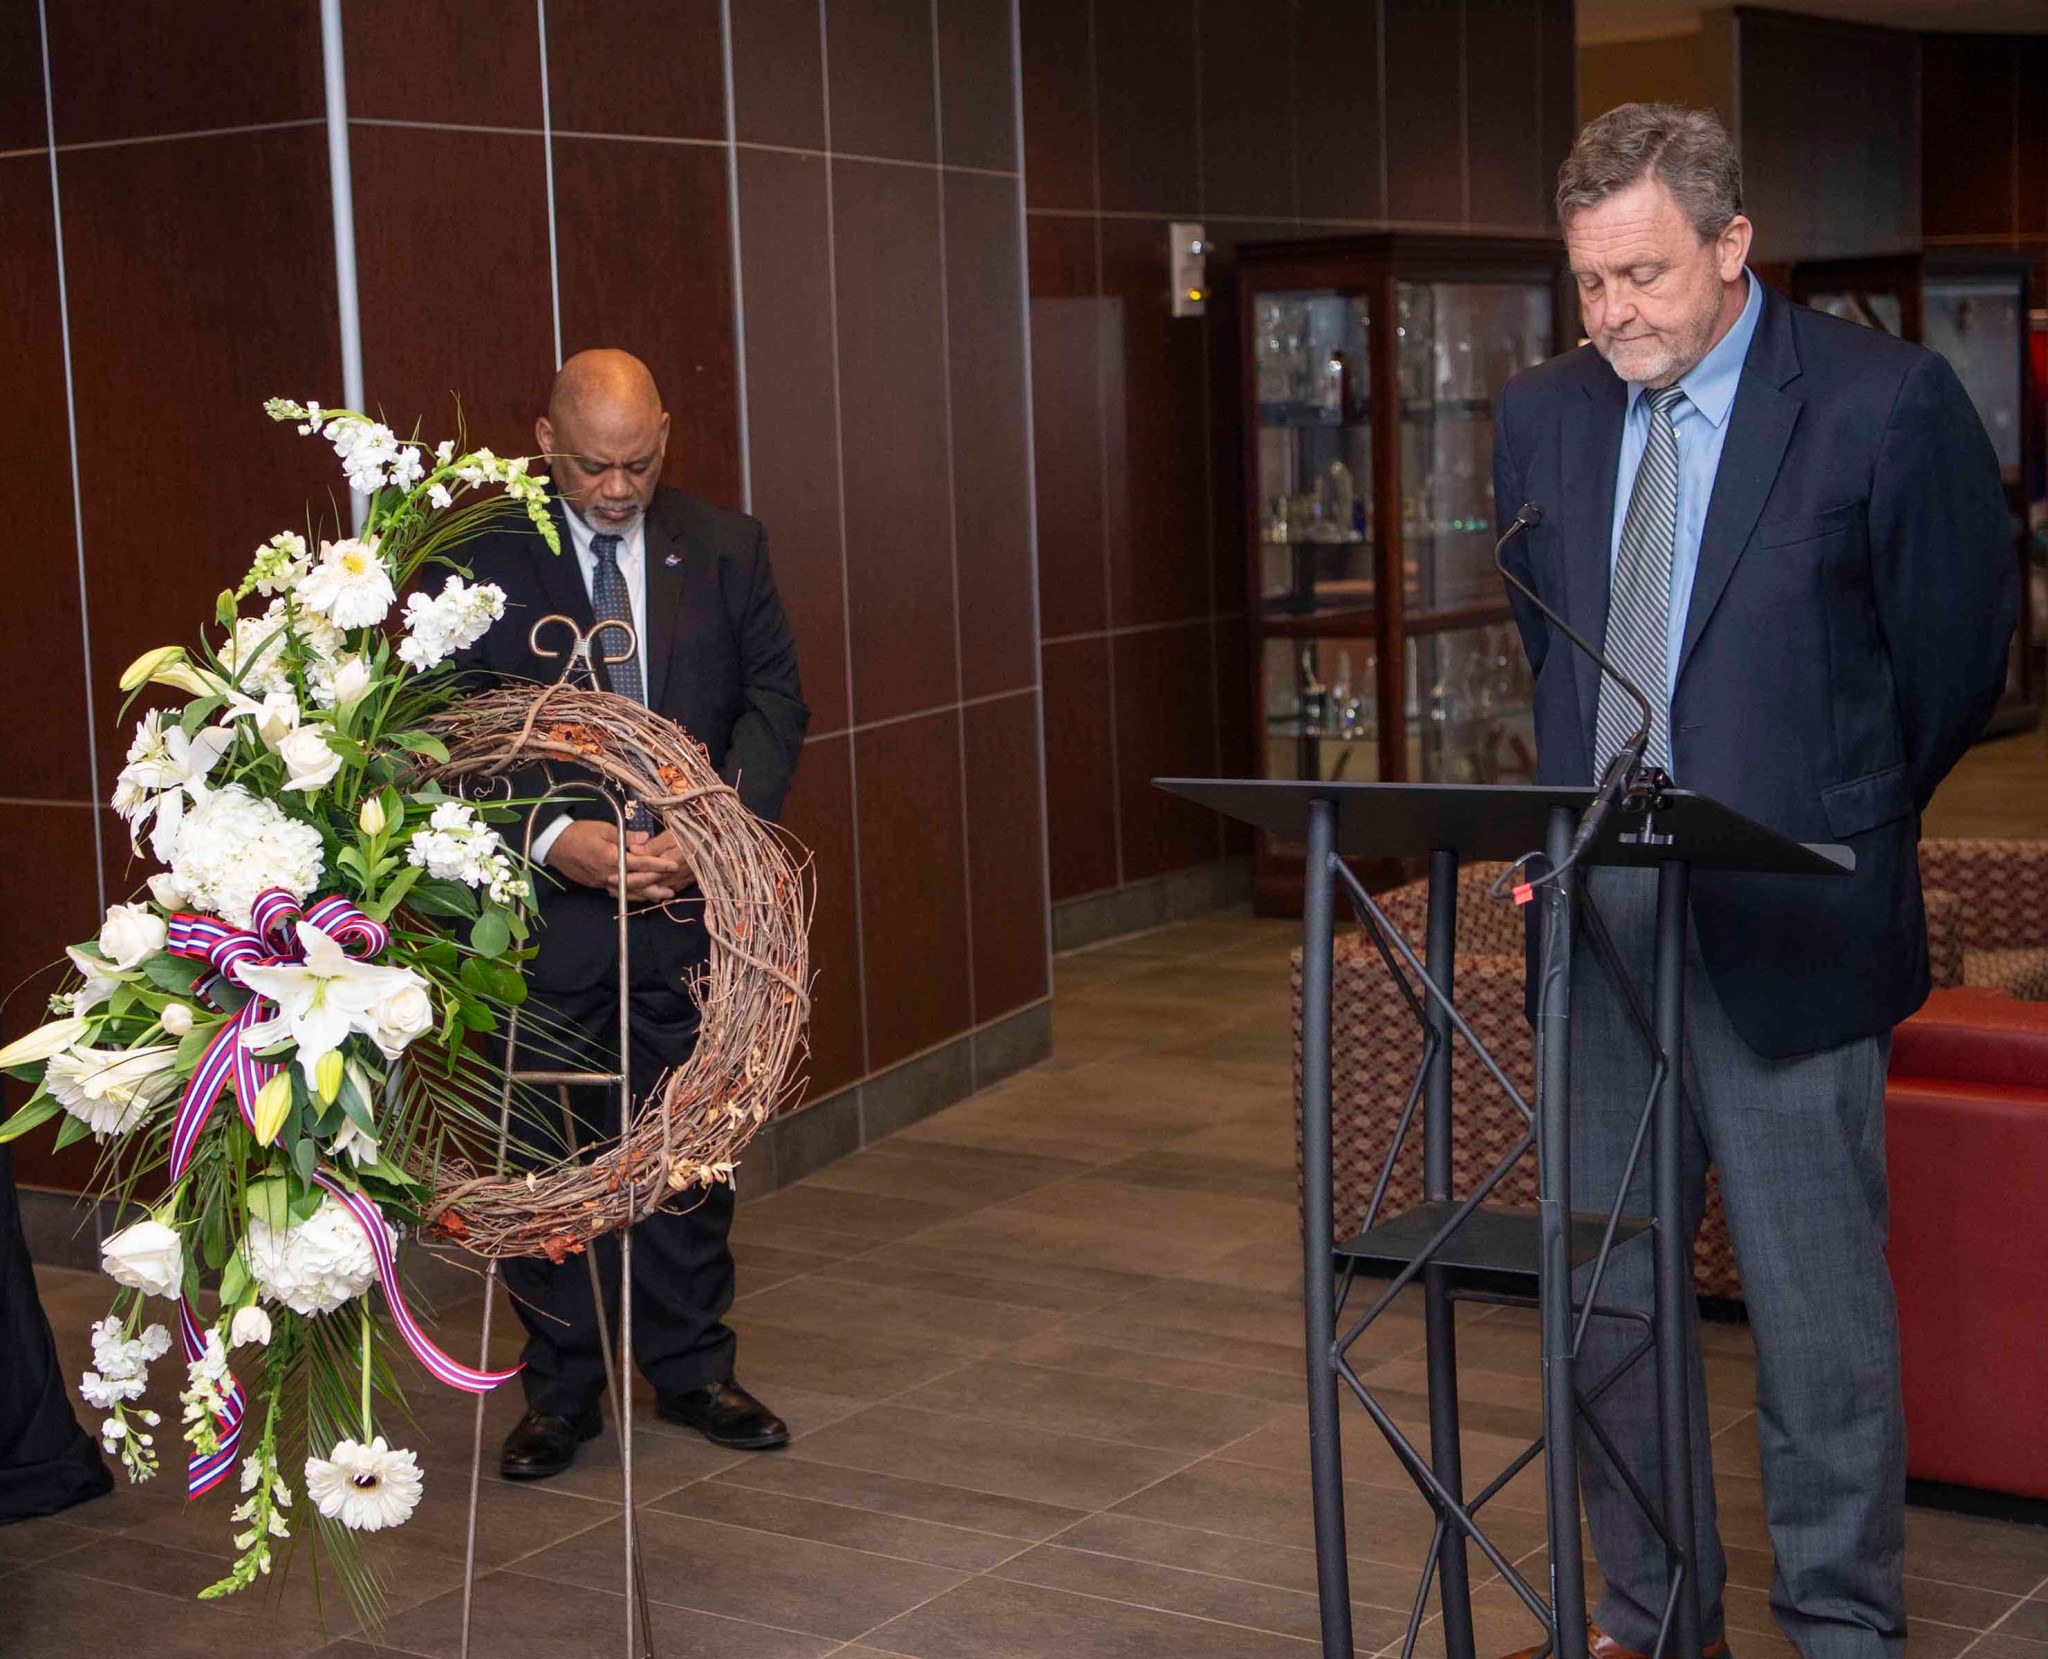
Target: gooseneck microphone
x,y
1625,772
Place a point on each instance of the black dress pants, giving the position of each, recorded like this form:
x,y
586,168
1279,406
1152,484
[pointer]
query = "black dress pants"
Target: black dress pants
x,y
682,1263
47,1462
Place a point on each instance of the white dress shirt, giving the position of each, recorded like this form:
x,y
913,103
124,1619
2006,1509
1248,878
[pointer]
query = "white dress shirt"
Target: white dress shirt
x,y
631,554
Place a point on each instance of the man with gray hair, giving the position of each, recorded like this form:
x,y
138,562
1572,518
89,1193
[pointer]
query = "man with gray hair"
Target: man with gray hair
x,y
1791,533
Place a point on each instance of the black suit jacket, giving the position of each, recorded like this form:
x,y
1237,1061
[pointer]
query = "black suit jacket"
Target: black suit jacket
x,y
1845,642
721,663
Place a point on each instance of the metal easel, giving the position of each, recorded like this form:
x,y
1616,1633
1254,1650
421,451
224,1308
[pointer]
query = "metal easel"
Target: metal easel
x,y
581,656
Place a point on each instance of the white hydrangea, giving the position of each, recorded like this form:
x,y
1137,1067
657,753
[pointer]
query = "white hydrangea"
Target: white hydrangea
x,y
436,628
111,1090
315,1265
456,846
232,845
121,1363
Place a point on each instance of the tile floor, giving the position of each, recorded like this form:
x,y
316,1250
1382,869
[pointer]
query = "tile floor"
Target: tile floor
x,y
1042,1356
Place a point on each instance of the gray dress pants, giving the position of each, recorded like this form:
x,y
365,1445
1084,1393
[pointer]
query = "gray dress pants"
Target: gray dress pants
x,y
1799,1144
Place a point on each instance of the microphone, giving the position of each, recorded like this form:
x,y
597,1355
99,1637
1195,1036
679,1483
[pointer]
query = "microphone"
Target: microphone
x,y
1625,770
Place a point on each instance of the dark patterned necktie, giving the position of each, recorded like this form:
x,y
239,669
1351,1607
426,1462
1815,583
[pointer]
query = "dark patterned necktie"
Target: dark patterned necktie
x,y
1639,608
612,603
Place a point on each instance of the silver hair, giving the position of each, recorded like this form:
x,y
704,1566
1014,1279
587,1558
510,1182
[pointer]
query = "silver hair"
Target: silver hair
x,y
1686,150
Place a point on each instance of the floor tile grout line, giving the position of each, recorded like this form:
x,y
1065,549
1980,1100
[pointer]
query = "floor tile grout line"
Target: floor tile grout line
x,y
2008,1613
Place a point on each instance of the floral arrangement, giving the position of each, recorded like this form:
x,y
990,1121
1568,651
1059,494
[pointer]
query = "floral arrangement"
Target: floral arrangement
x,y
326,934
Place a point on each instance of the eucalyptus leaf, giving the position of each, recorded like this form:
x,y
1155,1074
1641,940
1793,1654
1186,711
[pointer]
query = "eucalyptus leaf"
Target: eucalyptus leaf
x,y
305,1157
270,1200
492,934
305,1201
394,895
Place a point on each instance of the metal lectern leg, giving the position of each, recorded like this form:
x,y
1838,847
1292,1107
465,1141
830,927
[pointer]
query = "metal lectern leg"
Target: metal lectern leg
x,y
1554,1208
1674,1257
1319,1285
1439,1312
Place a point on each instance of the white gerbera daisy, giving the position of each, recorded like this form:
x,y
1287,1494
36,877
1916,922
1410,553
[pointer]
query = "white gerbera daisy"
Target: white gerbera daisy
x,y
350,585
365,1488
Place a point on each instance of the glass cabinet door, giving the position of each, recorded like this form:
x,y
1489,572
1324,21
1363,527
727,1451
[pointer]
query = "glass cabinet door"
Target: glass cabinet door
x,y
1470,707
1311,358
1979,324
1459,343
1321,719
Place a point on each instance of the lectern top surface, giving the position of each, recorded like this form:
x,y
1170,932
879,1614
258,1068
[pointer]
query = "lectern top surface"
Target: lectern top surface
x,y
1503,821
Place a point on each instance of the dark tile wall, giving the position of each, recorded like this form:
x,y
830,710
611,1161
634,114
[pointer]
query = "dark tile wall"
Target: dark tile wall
x,y
854,371
1260,121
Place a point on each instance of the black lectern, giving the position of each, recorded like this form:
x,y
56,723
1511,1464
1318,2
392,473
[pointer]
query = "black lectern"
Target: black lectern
x,y
1459,1248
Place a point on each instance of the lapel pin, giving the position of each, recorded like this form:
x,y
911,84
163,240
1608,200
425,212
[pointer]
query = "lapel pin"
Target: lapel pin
x,y
673,560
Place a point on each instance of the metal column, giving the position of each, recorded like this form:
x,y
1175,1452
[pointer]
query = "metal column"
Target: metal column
x,y
1439,1313
1674,1256
1319,1279
1554,1209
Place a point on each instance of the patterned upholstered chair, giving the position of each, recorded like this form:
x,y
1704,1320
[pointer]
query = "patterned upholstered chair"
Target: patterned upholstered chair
x,y
1376,1046
1999,909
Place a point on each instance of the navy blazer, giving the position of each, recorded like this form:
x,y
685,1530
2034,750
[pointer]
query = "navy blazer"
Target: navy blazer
x,y
721,663
1845,643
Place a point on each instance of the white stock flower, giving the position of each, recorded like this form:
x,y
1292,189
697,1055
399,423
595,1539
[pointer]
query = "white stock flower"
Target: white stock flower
x,y
131,934
365,1488
148,1257
251,1324
349,586
406,1013
315,1265
280,564
436,628
439,497
456,846
120,1363
309,761
233,845
111,1090
322,999
164,768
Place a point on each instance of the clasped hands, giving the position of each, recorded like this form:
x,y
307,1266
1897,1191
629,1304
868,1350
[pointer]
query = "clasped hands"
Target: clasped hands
x,y
587,852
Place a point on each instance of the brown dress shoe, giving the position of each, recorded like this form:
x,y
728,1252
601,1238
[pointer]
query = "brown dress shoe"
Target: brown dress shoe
x,y
1600,1645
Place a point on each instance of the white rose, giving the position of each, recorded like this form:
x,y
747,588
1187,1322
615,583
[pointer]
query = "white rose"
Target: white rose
x,y
251,1324
130,934
406,1013
169,891
308,762
176,1018
148,1257
352,680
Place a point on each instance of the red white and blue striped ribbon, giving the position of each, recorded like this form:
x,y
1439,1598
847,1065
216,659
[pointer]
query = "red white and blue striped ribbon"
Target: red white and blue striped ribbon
x,y
205,1473
452,1372
227,951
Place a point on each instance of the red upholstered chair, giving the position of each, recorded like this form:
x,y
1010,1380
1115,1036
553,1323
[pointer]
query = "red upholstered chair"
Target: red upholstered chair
x,y
1966,1129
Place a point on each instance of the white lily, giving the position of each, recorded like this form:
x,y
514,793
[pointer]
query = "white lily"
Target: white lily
x,y
164,767
102,980
320,1000
274,716
43,1042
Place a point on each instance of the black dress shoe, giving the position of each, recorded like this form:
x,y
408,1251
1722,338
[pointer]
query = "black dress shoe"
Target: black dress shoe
x,y
542,1444
726,1415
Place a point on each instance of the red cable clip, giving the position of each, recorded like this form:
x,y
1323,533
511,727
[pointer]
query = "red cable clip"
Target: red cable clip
x,y
1524,892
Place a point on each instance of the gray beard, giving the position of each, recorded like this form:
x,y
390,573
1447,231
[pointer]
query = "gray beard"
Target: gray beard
x,y
1685,356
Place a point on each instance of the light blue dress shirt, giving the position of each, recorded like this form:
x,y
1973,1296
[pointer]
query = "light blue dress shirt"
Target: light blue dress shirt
x,y
1700,422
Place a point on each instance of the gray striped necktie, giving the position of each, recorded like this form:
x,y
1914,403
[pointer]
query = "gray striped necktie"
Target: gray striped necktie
x,y
612,603
1639,605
